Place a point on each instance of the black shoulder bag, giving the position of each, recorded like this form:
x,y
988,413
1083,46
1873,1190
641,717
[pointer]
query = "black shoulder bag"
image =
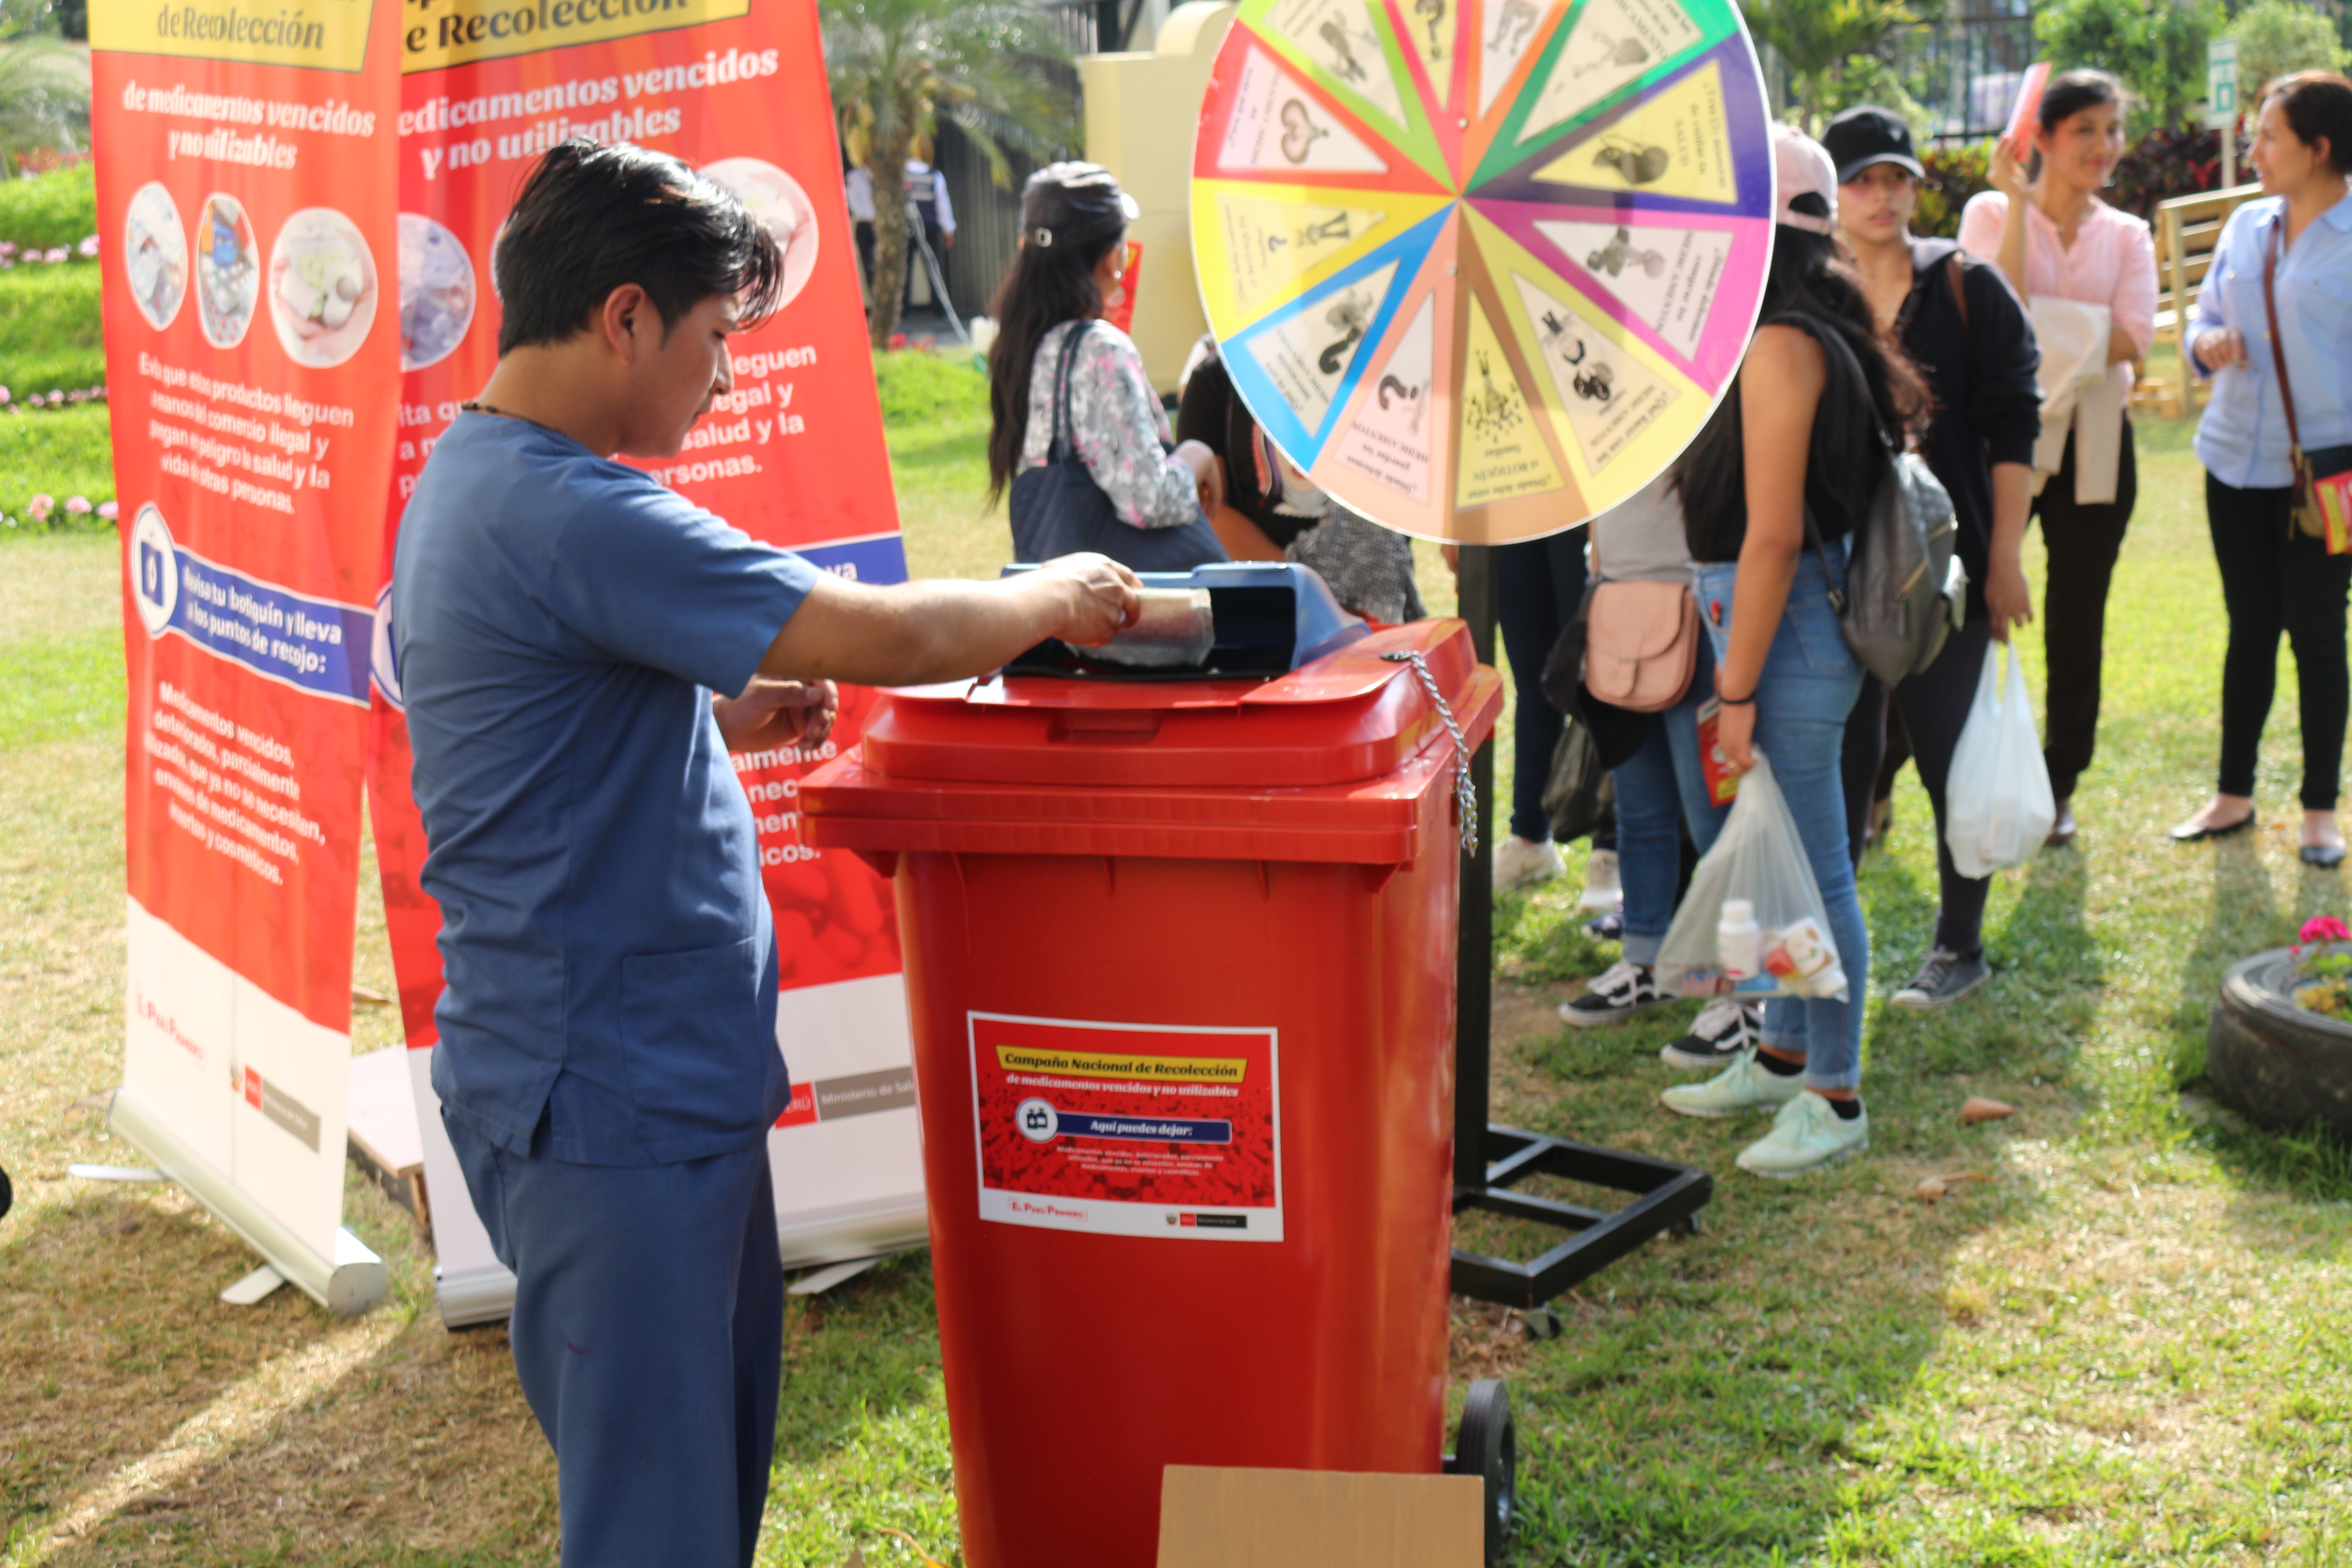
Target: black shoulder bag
x,y
1059,510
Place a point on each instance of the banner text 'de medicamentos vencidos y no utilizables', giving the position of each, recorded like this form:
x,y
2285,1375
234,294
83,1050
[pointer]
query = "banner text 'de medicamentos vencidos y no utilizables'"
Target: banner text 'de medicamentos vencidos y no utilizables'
x,y
247,212
794,455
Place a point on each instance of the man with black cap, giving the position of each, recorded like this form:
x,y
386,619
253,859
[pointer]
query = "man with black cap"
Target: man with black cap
x,y
1971,338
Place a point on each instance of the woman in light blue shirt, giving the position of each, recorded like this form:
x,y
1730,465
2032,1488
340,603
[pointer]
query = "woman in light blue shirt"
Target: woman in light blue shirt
x,y
2273,577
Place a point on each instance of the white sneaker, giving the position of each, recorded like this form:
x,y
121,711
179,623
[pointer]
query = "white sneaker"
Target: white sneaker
x,y
1742,1087
1519,863
1808,1134
1601,889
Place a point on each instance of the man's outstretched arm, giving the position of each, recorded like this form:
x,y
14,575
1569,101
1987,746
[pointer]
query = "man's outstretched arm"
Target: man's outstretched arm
x,y
912,632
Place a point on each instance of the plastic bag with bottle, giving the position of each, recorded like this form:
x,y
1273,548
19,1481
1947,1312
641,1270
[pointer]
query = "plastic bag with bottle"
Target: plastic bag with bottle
x,y
1753,924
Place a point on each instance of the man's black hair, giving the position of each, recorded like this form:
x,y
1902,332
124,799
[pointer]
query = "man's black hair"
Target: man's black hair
x,y
591,218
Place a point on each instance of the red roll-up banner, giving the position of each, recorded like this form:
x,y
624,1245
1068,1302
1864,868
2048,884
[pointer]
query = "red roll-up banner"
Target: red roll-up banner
x,y
794,455
246,206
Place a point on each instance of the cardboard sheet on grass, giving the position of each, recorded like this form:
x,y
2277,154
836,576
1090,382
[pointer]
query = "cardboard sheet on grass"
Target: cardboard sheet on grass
x,y
1221,1518
794,455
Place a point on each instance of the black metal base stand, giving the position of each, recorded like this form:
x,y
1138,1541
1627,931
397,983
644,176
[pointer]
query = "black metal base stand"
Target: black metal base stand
x,y
1489,1160
1672,1195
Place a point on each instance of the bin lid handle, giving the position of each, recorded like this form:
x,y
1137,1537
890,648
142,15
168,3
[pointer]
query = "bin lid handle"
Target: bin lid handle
x,y
1465,793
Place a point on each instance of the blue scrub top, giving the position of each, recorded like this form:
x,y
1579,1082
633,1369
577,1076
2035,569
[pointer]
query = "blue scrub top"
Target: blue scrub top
x,y
560,622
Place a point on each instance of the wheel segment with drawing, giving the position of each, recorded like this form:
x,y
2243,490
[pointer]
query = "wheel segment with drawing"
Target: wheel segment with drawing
x,y
1483,267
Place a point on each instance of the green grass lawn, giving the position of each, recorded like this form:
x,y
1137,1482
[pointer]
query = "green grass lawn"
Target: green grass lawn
x,y
2127,1346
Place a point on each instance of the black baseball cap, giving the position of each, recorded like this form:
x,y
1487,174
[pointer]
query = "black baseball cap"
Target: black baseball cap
x,y
1865,135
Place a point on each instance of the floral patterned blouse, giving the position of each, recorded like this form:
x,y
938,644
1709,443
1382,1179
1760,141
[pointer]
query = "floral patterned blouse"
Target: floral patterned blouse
x,y
1117,424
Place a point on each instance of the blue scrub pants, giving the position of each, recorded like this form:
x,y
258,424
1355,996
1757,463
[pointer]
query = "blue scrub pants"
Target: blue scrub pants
x,y
1661,788
649,1336
1809,682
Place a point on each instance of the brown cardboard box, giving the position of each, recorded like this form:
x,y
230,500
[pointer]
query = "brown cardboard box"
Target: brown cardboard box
x,y
1216,1518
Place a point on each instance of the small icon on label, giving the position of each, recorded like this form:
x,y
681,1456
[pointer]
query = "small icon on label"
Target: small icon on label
x,y
154,572
1037,1121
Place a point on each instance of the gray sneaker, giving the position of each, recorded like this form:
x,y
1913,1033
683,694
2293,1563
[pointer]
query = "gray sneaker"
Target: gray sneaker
x,y
1943,980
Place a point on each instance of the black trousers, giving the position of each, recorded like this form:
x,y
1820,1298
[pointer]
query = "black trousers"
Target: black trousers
x,y
1934,706
1538,587
2084,542
2276,578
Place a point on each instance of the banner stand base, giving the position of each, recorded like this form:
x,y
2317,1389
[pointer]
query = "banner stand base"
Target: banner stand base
x,y
475,1297
351,1281
863,1233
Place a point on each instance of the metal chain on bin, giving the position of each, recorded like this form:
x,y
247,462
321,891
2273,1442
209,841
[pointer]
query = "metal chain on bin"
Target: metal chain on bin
x,y
1465,793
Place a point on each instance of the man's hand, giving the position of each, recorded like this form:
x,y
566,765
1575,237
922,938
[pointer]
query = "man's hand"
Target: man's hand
x,y
770,712
1098,597
913,634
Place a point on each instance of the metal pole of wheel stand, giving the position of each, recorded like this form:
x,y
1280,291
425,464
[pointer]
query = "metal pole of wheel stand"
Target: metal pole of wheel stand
x,y
1490,1161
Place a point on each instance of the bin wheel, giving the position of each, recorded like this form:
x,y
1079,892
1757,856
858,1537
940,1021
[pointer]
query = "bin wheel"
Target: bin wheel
x,y
7,1194
1487,1445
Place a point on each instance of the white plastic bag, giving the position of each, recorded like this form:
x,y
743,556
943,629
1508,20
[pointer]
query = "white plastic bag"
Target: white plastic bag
x,y
1997,807
1760,858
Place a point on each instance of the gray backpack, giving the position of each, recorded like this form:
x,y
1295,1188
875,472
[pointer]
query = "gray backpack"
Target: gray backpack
x,y
1906,589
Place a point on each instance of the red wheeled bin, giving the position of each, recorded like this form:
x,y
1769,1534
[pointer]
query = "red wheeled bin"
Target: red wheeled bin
x,y
1180,955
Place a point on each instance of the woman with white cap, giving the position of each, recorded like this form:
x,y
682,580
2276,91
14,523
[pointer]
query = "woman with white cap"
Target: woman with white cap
x,y
1079,436
1772,492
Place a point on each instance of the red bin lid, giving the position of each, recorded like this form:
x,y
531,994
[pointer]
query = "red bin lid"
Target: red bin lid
x,y
1350,716
1333,762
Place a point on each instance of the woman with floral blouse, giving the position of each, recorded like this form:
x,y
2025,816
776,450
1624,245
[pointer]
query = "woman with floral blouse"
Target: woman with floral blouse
x,y
1052,344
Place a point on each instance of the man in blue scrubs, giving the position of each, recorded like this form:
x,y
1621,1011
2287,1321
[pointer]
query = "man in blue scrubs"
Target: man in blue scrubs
x,y
579,648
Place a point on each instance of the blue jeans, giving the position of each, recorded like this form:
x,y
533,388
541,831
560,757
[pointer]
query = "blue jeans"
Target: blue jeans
x,y
1660,788
1809,685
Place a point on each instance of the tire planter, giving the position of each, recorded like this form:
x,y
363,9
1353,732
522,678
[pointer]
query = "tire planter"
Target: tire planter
x,y
2277,1064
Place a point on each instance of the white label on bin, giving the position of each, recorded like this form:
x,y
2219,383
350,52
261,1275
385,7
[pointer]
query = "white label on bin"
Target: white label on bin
x,y
1129,1129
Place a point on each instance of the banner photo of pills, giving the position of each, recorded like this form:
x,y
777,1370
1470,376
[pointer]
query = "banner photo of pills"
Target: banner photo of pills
x,y
794,455
247,217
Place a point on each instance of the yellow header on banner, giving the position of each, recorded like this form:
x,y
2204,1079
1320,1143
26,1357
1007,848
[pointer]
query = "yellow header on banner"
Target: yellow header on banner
x,y
437,32
1118,1063
324,35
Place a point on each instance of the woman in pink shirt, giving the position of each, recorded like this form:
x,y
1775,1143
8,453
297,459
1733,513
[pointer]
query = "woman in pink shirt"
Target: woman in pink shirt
x,y
2055,239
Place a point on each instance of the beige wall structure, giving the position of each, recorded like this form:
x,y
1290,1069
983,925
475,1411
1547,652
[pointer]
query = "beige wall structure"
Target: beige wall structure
x,y
1142,113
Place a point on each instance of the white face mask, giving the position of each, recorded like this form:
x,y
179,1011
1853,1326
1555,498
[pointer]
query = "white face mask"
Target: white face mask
x,y
1300,496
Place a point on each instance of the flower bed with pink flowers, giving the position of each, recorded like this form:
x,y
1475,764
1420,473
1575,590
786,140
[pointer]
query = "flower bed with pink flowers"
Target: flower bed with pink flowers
x,y
56,470
2323,966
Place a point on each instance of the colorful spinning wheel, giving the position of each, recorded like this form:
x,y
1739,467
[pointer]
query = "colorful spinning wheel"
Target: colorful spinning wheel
x,y
1483,267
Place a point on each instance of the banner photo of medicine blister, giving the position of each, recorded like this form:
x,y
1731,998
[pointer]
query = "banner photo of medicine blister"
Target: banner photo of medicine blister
x,y
247,208
794,455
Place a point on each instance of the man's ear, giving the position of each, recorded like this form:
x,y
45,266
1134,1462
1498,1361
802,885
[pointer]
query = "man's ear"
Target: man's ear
x,y
623,320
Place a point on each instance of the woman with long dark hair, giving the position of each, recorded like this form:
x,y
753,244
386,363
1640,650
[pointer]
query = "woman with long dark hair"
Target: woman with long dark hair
x,y
2061,245
1079,436
1772,492
1970,338
2295,245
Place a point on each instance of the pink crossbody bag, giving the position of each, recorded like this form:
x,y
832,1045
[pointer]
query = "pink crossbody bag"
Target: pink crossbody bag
x,y
1640,644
